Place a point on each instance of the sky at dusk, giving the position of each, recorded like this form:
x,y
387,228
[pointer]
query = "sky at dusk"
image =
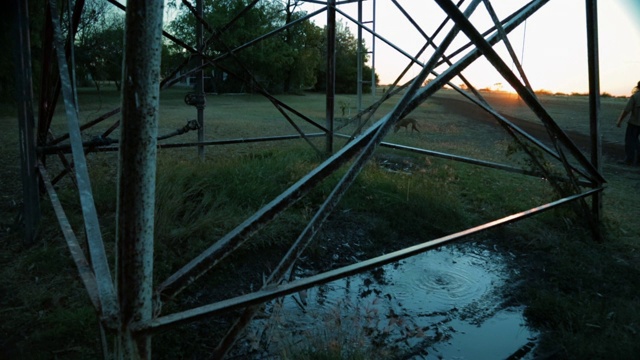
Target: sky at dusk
x,y
552,45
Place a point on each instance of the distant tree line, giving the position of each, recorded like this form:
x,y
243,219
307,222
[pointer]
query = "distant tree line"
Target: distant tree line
x,y
291,60
7,41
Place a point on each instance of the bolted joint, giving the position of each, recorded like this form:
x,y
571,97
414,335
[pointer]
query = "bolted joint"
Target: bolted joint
x,y
195,99
191,125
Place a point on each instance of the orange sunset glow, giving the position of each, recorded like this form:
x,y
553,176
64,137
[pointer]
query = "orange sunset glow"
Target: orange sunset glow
x,y
551,45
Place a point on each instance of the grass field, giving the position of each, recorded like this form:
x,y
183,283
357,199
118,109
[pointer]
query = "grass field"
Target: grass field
x,y
580,294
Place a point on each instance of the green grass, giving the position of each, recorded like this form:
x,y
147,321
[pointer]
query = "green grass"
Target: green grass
x,y
582,295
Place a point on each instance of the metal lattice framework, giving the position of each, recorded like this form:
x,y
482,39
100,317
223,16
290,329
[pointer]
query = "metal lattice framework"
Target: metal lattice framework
x,y
130,306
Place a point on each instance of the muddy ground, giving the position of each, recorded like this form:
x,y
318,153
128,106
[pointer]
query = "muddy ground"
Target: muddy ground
x,y
349,229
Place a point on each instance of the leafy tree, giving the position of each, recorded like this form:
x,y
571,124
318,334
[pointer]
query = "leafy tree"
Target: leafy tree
x,y
304,41
282,62
99,45
172,57
346,63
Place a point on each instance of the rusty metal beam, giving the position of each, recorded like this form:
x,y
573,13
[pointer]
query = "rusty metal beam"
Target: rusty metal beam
x,y
231,241
200,105
331,75
509,127
26,120
509,24
198,70
263,295
594,99
137,173
429,42
467,160
88,125
50,82
332,200
87,276
558,136
94,238
138,146
513,129
278,104
228,243
528,96
101,147
507,43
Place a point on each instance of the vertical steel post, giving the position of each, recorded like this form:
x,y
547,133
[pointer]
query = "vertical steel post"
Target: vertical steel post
x,y
359,59
200,79
24,97
49,85
373,51
331,73
594,100
137,173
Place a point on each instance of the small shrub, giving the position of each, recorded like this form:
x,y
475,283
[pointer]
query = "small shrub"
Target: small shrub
x,y
543,92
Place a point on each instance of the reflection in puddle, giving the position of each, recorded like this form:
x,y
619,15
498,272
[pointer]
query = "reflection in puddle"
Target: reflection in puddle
x,y
442,304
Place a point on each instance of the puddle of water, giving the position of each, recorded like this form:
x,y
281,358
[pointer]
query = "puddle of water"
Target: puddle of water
x,y
496,338
443,304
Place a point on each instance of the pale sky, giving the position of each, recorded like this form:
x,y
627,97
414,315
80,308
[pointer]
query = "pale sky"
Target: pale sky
x,y
554,56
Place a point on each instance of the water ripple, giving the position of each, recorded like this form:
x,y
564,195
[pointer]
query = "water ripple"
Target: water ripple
x,y
440,279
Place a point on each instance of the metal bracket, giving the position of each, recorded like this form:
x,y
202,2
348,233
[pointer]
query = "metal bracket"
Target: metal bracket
x,y
195,99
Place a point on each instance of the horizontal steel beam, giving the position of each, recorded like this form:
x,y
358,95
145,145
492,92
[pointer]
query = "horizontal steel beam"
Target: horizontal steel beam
x,y
472,161
66,148
527,95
